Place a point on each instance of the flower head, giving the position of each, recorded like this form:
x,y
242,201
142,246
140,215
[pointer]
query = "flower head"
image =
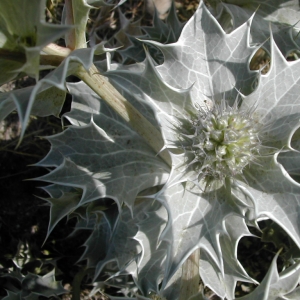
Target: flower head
x,y
223,140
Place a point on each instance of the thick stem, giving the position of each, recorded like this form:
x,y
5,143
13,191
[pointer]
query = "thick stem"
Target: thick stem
x,y
53,49
101,86
51,60
76,12
70,37
190,278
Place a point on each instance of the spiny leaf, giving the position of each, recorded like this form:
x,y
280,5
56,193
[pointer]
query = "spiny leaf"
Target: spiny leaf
x,y
164,32
23,36
42,285
49,102
285,35
193,222
276,285
116,164
12,296
150,270
282,11
122,248
274,194
294,295
233,271
97,244
279,90
61,207
32,286
205,57
51,85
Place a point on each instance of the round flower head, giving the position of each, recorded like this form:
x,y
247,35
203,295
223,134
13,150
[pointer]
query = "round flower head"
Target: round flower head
x,y
223,141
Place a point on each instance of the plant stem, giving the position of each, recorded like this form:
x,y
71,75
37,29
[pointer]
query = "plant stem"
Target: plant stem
x,y
101,86
51,60
53,49
76,15
190,278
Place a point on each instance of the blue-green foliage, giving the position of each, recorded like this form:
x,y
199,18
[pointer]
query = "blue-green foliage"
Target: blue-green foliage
x,y
145,216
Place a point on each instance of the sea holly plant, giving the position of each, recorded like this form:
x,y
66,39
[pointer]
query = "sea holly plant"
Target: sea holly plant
x,y
168,166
